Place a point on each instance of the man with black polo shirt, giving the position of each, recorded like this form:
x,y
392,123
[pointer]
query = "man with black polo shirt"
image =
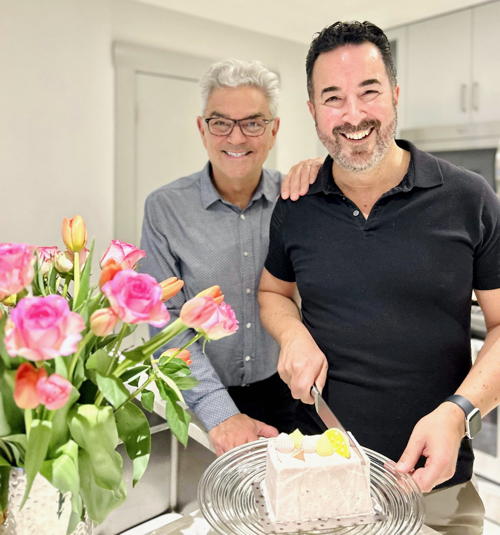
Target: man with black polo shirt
x,y
385,250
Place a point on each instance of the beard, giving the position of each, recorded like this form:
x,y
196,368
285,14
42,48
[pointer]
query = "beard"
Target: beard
x,y
359,158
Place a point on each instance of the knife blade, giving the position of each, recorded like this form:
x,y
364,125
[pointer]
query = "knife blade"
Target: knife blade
x,y
330,420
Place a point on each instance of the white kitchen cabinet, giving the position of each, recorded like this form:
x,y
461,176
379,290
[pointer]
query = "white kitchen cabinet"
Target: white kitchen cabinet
x,y
486,63
439,71
453,71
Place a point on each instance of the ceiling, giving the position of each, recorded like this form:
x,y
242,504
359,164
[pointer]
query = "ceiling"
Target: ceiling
x,y
298,20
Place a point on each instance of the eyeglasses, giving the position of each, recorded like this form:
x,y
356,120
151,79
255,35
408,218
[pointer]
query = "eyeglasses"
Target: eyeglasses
x,y
221,126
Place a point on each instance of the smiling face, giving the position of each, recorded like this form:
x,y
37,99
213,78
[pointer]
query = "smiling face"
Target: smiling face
x,y
237,157
354,106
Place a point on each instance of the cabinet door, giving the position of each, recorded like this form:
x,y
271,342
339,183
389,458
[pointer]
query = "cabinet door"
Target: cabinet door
x,y
485,98
398,38
439,71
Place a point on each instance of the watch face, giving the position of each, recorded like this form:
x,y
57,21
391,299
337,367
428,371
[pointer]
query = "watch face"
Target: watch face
x,y
473,423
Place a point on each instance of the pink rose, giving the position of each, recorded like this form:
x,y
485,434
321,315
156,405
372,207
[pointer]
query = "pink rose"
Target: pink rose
x,y
124,253
25,394
206,316
16,268
53,391
42,328
136,298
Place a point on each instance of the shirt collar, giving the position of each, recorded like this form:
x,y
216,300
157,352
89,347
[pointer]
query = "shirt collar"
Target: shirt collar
x,y
423,172
210,195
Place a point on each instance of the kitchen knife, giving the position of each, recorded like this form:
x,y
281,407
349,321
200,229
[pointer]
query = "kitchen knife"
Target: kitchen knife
x,y
327,416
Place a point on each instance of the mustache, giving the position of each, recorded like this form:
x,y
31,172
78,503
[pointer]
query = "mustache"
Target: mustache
x,y
348,128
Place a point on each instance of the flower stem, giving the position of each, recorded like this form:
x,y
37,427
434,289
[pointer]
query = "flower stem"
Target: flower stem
x,y
137,391
76,356
76,276
28,417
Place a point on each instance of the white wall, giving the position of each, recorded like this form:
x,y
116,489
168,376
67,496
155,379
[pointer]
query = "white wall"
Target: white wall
x,y
57,103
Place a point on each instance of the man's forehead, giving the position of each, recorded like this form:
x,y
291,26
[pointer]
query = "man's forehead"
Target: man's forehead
x,y
237,102
353,60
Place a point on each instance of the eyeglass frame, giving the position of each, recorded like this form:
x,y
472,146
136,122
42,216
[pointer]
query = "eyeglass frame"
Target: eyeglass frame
x,y
237,122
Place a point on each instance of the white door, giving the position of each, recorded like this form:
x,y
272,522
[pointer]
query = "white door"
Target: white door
x,y
438,77
168,142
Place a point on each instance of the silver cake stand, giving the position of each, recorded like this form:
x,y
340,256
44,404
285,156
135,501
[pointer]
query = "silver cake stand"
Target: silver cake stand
x,y
227,501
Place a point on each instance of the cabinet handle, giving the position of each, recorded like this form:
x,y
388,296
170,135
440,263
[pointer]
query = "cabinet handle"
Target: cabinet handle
x,y
475,96
463,97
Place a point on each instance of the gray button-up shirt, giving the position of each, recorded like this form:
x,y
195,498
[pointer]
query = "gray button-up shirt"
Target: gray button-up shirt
x,y
190,232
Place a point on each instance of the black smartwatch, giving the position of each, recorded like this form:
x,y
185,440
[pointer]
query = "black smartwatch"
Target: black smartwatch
x,y
472,415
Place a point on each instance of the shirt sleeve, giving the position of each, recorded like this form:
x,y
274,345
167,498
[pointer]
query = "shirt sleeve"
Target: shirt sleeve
x,y
209,399
487,253
278,262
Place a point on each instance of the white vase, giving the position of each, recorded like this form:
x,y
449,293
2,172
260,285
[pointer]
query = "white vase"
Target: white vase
x,y
46,511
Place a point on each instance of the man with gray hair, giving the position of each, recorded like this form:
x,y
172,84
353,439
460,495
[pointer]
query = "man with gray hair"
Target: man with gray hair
x,y
212,227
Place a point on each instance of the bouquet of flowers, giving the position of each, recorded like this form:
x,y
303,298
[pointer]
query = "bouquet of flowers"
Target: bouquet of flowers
x,y
68,391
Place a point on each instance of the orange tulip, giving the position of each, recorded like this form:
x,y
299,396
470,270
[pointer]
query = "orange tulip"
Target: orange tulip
x,y
25,393
74,233
214,292
109,270
170,287
184,355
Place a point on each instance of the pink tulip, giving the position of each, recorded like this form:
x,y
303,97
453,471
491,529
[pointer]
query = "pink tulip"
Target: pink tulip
x,y
124,253
170,287
53,391
16,268
42,328
136,298
198,310
25,394
103,321
46,256
214,292
204,315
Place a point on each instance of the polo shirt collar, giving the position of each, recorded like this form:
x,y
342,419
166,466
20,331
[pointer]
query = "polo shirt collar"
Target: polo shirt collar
x,y
423,172
210,195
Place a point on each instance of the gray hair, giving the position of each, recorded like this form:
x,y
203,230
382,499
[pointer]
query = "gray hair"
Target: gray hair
x,y
236,73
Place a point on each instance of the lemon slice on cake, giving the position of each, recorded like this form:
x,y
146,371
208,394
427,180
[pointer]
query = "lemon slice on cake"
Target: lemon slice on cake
x,y
339,442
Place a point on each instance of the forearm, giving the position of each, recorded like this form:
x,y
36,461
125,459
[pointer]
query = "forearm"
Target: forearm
x,y
482,384
279,315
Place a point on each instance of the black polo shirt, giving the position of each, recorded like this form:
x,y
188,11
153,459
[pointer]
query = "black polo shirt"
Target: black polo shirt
x,y
387,299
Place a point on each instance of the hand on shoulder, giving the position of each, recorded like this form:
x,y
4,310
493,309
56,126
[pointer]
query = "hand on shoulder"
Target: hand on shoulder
x,y
297,181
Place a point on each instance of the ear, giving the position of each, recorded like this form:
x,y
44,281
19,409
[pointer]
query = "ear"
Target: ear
x,y
395,95
312,111
200,123
276,126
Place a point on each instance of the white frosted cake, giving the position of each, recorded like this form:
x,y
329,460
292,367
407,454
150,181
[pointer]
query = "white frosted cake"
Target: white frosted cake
x,y
315,476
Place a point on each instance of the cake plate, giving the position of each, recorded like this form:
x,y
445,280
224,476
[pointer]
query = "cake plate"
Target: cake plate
x,y
227,500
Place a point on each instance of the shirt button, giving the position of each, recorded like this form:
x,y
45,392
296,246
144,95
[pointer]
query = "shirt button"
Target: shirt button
x,y
355,213
248,357
242,216
245,253
248,325
248,291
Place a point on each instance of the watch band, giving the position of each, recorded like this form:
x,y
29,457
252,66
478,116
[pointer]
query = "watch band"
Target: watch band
x,y
462,402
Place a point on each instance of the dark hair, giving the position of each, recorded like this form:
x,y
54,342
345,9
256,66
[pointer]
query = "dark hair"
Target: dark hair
x,y
349,33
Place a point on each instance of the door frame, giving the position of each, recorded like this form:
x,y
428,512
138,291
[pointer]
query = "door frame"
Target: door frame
x,y
129,60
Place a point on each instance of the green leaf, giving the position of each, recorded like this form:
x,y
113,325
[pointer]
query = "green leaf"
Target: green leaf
x,y
112,389
11,416
178,418
4,491
38,443
60,430
52,279
14,448
83,292
3,462
185,383
94,430
132,372
62,470
99,361
133,429
98,501
148,400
